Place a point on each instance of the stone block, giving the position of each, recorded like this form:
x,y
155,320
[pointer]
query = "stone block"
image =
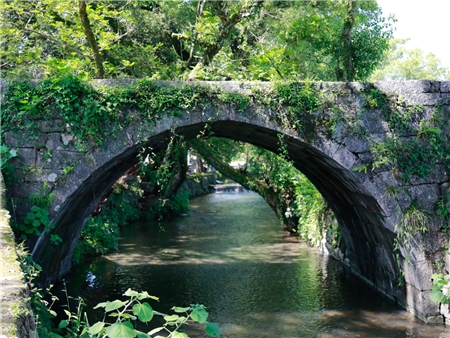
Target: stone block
x,y
420,303
53,141
55,125
426,196
345,158
61,159
445,87
435,86
401,87
374,122
328,147
356,144
377,188
24,139
43,175
27,157
426,99
438,175
418,273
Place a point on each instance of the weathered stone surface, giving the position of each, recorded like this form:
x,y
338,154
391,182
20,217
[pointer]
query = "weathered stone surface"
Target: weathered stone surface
x,y
438,175
55,125
345,158
426,195
417,273
402,87
66,138
420,304
445,87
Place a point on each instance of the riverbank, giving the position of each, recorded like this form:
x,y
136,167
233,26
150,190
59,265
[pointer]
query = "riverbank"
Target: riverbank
x,y
16,319
198,184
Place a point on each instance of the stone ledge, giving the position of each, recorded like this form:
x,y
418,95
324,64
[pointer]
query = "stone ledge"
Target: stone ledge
x,y
16,319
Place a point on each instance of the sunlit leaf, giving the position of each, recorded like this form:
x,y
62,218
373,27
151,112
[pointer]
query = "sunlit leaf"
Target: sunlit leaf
x,y
171,318
437,296
180,309
152,332
144,311
144,295
130,293
114,305
177,334
96,328
199,314
121,330
99,305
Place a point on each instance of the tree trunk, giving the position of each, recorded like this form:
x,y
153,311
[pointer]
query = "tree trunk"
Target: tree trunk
x,y
347,73
91,39
226,28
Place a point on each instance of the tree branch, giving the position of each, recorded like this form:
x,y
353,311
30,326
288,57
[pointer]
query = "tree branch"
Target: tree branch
x,y
45,36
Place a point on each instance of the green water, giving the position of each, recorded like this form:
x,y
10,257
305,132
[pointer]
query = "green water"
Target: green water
x,y
231,255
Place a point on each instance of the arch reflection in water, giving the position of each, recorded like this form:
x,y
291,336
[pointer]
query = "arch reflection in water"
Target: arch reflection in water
x,y
231,255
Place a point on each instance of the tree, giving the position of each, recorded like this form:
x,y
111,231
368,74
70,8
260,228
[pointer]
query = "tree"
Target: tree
x,y
178,39
53,38
410,64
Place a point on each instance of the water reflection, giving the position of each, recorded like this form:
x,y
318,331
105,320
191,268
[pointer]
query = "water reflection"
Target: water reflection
x,y
232,256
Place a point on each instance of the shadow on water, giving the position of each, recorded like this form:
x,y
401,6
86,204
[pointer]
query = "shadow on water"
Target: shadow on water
x,y
231,255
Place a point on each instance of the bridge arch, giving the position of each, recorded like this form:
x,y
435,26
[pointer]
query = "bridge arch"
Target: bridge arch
x,y
331,158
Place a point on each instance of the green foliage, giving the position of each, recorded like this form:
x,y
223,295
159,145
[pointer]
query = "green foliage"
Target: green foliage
x,y
34,222
5,155
178,204
100,233
135,308
409,64
6,168
414,222
440,282
292,103
239,101
408,155
176,39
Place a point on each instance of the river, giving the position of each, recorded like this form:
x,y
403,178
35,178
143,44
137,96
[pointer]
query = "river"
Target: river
x,y
231,255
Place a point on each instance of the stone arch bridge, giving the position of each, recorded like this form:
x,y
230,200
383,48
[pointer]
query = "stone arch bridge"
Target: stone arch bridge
x,y
360,144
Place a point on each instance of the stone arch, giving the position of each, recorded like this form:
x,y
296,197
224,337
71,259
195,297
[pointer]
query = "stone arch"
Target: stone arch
x,y
369,243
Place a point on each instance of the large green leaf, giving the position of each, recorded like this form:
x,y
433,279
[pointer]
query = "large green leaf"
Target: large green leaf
x,y
96,328
212,329
437,296
199,314
121,330
144,312
177,334
114,305
130,293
